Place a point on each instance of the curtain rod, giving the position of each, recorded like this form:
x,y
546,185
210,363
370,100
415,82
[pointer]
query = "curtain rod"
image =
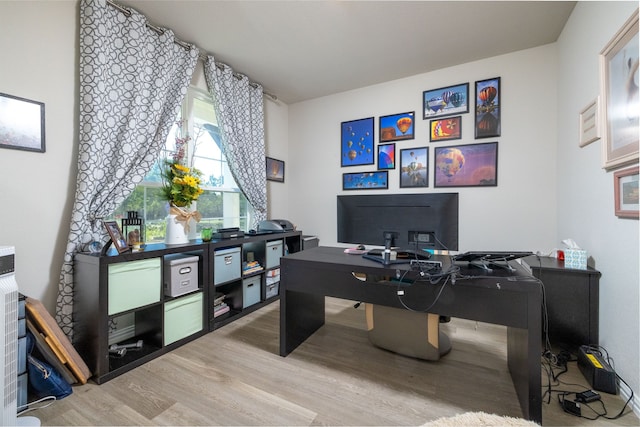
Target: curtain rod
x,y
201,56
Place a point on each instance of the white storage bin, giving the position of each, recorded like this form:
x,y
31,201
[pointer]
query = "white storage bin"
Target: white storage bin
x,y
250,291
134,284
182,317
227,265
180,274
274,252
271,290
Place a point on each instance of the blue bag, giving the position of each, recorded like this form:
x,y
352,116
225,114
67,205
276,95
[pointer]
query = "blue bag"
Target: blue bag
x,y
44,379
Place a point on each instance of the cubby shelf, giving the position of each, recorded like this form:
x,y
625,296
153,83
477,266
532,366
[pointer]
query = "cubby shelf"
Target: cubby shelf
x,y
120,298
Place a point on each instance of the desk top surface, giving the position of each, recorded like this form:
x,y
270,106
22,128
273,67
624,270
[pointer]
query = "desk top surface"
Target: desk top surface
x,y
336,258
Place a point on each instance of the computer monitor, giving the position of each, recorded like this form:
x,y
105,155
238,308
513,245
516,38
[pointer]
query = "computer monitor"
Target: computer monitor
x,y
421,221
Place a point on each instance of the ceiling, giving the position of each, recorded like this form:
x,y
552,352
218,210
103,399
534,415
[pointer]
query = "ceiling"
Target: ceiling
x,y
300,50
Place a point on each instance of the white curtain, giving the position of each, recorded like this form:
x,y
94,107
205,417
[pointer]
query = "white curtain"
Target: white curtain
x,y
132,83
239,106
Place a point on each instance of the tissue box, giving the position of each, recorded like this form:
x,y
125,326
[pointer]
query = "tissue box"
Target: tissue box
x,y
575,258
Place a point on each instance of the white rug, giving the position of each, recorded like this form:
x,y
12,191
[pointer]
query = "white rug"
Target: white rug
x,y
480,419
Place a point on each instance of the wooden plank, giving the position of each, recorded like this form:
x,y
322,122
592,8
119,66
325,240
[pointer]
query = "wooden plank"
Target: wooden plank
x,y
57,340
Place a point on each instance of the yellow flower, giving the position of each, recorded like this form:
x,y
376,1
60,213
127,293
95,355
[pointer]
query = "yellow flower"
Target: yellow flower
x,y
181,168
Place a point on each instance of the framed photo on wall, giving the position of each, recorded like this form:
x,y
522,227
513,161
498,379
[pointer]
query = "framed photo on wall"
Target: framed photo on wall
x,y
414,167
472,165
275,170
397,127
445,101
488,108
378,180
625,183
619,95
386,156
21,124
445,129
356,142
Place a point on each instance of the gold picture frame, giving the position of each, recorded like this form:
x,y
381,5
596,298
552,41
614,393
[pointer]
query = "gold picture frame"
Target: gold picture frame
x,y
625,187
619,95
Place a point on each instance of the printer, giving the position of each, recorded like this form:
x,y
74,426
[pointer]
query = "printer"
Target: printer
x,y
276,225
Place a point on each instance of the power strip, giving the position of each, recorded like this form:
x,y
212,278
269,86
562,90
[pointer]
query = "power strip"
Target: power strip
x,y
426,263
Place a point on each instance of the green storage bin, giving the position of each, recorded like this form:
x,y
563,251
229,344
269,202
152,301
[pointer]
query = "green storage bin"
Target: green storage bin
x,y
134,284
182,317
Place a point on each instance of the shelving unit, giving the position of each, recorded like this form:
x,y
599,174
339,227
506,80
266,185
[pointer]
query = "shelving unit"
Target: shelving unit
x,y
125,300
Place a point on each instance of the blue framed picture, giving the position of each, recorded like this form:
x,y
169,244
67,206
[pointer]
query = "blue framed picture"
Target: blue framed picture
x,y
386,156
356,143
378,180
397,127
445,101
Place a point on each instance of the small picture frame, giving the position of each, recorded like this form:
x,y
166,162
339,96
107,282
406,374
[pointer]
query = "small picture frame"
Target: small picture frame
x,y
445,101
356,142
397,127
445,129
471,165
414,167
625,183
589,123
116,236
488,108
386,156
21,124
377,180
275,170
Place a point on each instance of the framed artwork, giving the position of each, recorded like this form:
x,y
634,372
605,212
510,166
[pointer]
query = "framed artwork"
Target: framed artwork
x,y
445,101
378,180
21,123
116,236
386,156
356,142
472,165
445,129
619,95
625,183
414,167
488,108
275,170
397,127
589,123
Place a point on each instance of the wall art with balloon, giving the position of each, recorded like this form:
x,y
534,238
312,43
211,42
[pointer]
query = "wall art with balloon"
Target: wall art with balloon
x,y
356,142
445,129
471,165
397,127
386,156
445,101
377,180
275,170
488,108
414,167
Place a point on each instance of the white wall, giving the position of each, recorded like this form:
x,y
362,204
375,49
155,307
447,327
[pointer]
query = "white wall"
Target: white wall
x,y
585,196
39,42
518,214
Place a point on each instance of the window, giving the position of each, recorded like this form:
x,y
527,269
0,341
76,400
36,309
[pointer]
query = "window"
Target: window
x,y
222,205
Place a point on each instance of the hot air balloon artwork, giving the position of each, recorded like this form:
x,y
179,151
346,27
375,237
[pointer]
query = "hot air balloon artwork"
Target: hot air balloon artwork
x,y
387,156
445,129
397,127
356,142
275,170
487,108
445,101
471,165
414,169
378,180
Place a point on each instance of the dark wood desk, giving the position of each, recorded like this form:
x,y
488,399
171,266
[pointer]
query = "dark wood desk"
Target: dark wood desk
x,y
500,297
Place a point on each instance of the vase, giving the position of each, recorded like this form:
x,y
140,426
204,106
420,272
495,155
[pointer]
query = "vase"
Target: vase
x,y
175,233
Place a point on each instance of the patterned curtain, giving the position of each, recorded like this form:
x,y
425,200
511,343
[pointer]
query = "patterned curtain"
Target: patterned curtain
x,y
132,83
239,106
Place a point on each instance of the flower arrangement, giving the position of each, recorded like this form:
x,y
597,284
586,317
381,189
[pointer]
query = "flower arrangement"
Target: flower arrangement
x,y
181,183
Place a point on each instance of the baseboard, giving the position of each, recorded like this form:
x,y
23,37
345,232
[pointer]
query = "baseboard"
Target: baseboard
x,y
634,404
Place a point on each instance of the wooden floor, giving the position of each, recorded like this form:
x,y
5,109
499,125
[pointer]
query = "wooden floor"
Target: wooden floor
x,y
235,376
